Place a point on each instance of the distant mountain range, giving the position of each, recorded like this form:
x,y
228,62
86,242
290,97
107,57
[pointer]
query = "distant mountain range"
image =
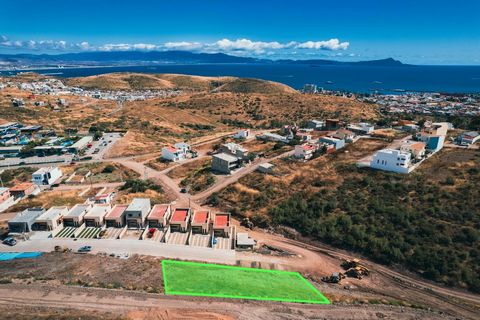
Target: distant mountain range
x,y
164,57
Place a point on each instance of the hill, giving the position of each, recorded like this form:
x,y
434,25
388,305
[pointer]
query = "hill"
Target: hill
x,y
120,81
243,85
141,81
99,58
426,221
205,106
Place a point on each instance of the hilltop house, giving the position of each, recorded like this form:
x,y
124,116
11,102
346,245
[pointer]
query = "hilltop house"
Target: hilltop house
x,y
417,149
315,124
6,199
23,221
391,160
177,152
305,151
337,143
24,189
235,150
242,134
343,134
137,212
46,176
225,163
361,128
433,143
468,138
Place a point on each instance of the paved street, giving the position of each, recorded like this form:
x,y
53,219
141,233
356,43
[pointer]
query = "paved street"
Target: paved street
x,y
152,248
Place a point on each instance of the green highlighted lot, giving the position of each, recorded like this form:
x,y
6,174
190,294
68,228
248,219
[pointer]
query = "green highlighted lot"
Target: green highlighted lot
x,y
211,280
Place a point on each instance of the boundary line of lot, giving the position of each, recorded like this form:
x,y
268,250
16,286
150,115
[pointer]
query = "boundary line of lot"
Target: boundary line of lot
x,y
165,263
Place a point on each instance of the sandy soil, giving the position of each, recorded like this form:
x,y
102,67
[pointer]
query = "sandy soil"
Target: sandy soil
x,y
76,302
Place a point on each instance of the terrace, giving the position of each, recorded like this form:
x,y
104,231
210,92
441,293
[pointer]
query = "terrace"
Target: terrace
x,y
179,220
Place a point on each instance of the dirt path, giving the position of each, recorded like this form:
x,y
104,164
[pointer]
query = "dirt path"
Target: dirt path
x,y
199,197
136,305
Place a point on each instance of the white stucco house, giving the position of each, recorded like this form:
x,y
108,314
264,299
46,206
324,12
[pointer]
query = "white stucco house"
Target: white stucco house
x,y
177,152
392,160
46,176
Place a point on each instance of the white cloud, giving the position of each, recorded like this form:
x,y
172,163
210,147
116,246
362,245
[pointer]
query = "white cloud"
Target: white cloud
x,y
183,45
247,45
241,47
128,47
332,44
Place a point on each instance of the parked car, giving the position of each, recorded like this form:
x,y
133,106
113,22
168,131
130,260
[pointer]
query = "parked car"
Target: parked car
x,y
84,249
183,190
10,241
151,232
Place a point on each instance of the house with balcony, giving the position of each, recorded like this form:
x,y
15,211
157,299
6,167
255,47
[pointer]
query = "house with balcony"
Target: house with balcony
x,y
392,160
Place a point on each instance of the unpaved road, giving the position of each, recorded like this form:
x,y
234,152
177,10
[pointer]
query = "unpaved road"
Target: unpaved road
x,y
237,175
136,305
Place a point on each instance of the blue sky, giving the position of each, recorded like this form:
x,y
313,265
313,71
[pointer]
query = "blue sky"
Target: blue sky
x,y
421,31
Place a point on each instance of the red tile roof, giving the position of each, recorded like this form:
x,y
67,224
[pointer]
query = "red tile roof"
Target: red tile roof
x,y
172,149
308,147
21,186
179,215
158,211
117,211
200,217
222,220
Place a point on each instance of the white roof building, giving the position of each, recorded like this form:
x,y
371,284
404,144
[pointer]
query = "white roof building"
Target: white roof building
x,y
391,160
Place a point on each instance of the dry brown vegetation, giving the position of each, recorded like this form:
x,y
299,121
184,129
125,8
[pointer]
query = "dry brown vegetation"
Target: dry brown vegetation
x,y
257,193
207,106
144,272
49,199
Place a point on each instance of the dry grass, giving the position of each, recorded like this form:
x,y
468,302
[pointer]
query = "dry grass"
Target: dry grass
x,y
218,104
187,169
49,199
256,193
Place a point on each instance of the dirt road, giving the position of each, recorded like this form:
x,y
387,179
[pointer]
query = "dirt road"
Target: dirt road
x,y
199,197
136,305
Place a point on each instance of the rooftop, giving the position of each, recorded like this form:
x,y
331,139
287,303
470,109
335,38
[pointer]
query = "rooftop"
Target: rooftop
x,y
158,211
244,239
201,217
28,215
52,213
21,186
225,157
117,211
222,220
472,134
45,170
180,215
139,204
78,210
98,211
82,142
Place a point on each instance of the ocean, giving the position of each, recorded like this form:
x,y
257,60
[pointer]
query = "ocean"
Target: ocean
x,y
359,79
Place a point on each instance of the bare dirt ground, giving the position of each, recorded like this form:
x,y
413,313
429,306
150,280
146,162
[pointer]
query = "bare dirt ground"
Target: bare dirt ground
x,y
23,301
394,295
